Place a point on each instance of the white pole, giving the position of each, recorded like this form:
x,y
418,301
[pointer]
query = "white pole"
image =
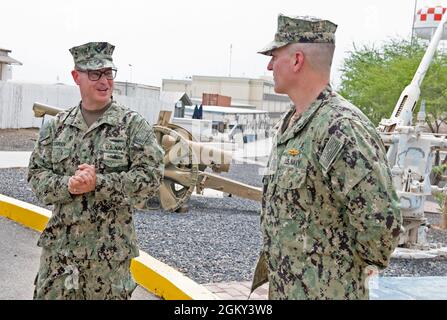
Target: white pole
x,y
231,48
414,18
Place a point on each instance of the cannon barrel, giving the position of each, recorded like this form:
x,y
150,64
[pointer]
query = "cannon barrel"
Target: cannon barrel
x,y
185,163
41,110
203,154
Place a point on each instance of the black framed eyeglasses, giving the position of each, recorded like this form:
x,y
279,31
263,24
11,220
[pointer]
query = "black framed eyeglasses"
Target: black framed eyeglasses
x,y
95,75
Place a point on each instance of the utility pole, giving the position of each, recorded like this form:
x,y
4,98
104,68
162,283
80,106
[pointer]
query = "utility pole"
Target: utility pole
x,y
231,49
414,18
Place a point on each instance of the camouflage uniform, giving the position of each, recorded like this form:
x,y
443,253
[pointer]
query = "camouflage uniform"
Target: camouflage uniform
x,y
69,278
90,238
329,209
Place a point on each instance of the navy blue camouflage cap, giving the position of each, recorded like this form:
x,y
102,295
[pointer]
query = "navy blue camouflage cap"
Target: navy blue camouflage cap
x,y
300,30
93,56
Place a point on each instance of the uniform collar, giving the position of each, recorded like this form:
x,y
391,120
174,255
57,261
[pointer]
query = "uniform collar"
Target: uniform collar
x,y
305,117
110,117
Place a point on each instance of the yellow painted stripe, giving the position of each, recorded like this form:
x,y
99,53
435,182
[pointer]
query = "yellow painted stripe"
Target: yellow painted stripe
x,y
27,214
166,282
150,273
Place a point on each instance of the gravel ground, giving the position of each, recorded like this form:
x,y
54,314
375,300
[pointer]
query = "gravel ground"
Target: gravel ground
x,y
219,239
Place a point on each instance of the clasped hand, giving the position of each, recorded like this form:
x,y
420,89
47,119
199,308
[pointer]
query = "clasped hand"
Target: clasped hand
x,y
83,181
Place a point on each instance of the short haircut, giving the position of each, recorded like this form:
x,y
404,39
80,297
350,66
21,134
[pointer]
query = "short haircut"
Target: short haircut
x,y
318,55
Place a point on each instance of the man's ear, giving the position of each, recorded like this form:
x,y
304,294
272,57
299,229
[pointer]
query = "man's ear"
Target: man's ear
x,y
298,61
75,75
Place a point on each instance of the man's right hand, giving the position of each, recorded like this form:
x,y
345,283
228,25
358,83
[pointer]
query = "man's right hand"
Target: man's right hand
x,y
83,181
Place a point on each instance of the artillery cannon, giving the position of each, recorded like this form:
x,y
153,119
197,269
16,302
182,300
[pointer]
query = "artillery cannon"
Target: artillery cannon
x,y
185,163
410,152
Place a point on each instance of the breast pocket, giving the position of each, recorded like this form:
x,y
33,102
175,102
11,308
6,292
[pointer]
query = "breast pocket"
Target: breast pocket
x,y
291,178
291,193
115,160
114,157
60,158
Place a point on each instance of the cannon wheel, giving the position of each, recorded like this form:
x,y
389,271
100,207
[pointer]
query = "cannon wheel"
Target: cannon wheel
x,y
181,170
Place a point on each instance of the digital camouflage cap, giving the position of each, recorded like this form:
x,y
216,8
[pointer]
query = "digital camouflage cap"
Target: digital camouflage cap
x,y
93,56
300,30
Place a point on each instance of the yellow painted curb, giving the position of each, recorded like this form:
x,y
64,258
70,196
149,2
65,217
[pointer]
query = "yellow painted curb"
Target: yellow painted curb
x,y
25,213
150,273
166,282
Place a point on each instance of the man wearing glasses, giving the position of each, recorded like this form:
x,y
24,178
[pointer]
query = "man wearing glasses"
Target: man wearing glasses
x,y
94,163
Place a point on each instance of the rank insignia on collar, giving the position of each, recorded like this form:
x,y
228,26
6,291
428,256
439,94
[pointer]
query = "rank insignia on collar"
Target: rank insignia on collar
x,y
293,152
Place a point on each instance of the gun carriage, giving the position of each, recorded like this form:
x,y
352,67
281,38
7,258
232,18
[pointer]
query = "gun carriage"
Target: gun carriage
x,y
185,163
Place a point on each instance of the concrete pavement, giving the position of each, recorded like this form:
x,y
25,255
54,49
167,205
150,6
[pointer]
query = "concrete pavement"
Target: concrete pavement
x,y
408,288
14,159
19,263
19,260
380,288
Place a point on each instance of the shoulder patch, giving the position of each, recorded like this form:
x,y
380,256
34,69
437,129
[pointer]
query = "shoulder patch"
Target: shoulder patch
x,y
330,152
144,132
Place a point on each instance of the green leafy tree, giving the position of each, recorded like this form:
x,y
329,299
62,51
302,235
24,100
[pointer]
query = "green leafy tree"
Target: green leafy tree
x,y
373,79
434,92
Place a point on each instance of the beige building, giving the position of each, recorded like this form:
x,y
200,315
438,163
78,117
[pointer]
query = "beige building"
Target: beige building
x,y
244,92
136,90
